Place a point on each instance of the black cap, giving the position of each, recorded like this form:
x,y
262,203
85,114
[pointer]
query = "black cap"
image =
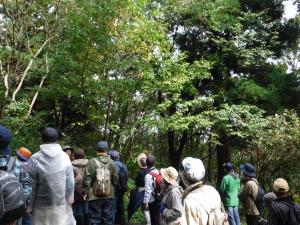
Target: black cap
x,y
49,135
150,161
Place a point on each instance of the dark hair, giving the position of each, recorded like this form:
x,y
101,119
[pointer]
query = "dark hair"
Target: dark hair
x,y
150,161
79,154
49,135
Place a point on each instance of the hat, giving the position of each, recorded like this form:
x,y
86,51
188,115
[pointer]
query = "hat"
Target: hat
x,y
102,145
193,169
79,154
5,139
169,174
49,135
114,155
228,166
24,153
142,160
280,185
248,170
65,148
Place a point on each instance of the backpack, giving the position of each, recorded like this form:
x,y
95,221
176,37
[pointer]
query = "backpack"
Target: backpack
x,y
12,197
217,217
294,213
157,183
259,202
102,185
123,179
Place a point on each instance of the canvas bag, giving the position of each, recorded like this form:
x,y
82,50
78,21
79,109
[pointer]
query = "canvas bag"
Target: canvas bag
x,y
102,185
12,198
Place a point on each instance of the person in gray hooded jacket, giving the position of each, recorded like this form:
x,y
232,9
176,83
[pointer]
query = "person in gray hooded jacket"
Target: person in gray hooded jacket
x,y
52,181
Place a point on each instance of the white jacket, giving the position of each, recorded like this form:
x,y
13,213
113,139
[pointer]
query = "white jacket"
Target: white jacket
x,y
149,187
197,203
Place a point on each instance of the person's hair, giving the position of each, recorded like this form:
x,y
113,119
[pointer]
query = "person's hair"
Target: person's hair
x,y
150,161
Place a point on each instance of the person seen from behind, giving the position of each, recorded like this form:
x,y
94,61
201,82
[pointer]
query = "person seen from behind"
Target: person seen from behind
x,y
15,168
150,203
100,180
80,205
69,151
120,189
230,188
198,198
171,207
52,180
249,193
23,155
283,211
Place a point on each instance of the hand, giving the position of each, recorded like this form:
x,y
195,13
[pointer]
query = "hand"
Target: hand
x,y
162,207
145,207
85,197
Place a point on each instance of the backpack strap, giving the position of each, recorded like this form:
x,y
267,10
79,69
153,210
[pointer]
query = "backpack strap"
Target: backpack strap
x,y
155,175
10,163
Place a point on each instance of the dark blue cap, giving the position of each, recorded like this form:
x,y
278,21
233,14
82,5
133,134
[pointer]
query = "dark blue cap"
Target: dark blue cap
x,y
114,155
5,139
49,135
248,170
228,166
102,145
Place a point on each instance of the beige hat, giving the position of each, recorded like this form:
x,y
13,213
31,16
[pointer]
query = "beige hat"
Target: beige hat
x,y
169,174
280,185
142,160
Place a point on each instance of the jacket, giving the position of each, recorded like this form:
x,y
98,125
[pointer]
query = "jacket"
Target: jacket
x,y
198,202
249,189
90,175
230,188
279,212
149,186
79,169
173,201
52,177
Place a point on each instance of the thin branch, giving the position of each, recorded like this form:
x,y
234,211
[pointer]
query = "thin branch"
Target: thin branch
x,y
39,88
28,68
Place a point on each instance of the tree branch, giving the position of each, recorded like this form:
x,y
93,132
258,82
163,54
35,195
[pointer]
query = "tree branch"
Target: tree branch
x,y
28,68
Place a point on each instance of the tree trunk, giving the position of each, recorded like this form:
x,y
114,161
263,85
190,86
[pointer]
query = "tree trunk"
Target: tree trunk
x,y
223,156
175,154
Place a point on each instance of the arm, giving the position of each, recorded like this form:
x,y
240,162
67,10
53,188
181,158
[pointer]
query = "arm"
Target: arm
x,y
176,211
244,194
190,216
32,171
148,188
273,218
69,184
114,172
88,176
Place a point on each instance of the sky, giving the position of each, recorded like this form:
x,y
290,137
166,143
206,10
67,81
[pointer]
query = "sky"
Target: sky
x,y
290,9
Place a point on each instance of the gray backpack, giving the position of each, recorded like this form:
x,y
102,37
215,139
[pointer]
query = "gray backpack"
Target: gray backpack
x,y
12,197
102,185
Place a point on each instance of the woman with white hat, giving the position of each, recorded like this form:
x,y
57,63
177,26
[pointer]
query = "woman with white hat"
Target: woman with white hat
x,y
171,207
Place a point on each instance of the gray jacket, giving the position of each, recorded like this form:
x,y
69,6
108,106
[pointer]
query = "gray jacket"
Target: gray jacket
x,y
52,177
173,201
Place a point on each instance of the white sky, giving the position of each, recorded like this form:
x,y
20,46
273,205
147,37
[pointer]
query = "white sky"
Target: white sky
x,y
290,9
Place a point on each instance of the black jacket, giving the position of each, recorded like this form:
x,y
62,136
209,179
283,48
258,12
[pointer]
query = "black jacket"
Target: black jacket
x,y
279,212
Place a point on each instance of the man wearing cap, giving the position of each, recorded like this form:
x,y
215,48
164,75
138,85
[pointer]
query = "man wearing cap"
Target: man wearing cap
x,y
230,188
150,203
280,211
80,206
100,208
118,204
23,155
52,180
249,193
171,206
198,199
69,151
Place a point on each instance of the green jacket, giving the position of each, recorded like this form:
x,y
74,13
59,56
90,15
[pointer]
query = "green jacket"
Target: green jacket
x,y
90,176
230,188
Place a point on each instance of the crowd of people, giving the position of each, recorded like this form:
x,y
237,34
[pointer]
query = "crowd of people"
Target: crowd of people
x,y
61,187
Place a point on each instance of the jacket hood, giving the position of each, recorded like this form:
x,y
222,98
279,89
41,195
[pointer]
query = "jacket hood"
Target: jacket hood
x,y
51,150
234,175
80,162
104,159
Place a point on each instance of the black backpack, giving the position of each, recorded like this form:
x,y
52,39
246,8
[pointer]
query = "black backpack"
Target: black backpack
x,y
259,202
123,179
12,197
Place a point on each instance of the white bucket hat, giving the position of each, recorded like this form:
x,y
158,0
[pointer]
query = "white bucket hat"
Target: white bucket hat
x,y
193,169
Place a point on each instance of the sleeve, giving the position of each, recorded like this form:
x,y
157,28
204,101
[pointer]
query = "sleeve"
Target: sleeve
x,y
176,211
69,184
88,175
273,218
148,188
115,176
32,171
189,216
223,185
244,194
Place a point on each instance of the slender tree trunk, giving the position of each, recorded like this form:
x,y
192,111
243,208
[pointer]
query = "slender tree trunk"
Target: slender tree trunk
x,y
223,156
